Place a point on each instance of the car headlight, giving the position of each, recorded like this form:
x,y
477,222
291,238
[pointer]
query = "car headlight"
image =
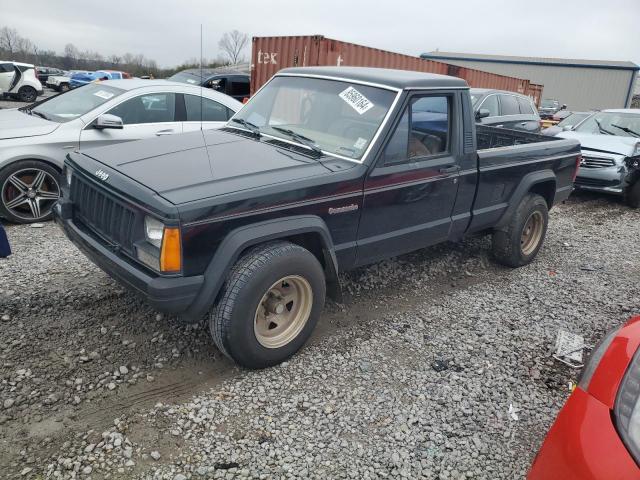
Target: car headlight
x,y
636,150
627,408
153,231
69,176
594,359
167,254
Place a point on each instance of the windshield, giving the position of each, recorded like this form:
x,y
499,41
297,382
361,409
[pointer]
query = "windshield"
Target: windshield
x,y
573,119
75,103
186,77
612,123
339,117
549,104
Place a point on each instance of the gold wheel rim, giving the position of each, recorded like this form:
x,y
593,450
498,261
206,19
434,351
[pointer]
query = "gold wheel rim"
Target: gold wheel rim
x,y
531,233
283,311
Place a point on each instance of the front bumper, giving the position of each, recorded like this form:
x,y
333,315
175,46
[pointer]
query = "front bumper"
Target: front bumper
x,y
583,445
167,294
606,179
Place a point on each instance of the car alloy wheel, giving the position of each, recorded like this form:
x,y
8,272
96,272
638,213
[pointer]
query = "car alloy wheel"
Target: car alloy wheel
x,y
283,311
30,193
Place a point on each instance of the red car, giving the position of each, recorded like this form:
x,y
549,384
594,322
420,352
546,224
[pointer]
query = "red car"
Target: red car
x,y
597,433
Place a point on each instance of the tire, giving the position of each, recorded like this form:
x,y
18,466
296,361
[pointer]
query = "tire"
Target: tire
x,y
28,191
63,88
518,243
632,195
27,94
239,323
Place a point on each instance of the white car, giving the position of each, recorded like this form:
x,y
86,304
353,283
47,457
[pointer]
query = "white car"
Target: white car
x,y
35,140
61,82
19,81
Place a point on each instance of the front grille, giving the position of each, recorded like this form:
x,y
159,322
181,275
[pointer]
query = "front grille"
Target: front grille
x,y
594,182
597,162
104,215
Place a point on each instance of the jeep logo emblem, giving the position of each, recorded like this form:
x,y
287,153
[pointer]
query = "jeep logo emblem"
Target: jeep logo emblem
x,y
101,174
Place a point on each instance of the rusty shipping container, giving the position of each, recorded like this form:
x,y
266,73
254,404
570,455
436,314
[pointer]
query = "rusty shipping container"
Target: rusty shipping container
x,y
271,54
535,92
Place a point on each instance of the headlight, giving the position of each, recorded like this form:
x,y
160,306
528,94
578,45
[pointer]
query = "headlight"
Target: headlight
x,y
627,408
594,359
636,151
153,231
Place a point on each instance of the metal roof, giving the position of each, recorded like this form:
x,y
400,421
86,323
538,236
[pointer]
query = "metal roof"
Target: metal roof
x,y
383,76
546,61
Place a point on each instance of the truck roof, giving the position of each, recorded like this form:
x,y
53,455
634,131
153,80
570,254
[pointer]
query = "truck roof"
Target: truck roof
x,y
400,79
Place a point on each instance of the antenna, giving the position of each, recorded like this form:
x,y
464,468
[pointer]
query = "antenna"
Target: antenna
x,y
201,79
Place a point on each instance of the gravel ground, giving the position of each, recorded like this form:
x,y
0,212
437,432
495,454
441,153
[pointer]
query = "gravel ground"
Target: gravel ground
x,y
438,365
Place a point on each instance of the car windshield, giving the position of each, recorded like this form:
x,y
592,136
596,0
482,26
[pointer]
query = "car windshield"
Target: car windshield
x,y
338,117
619,124
191,78
573,119
549,104
75,103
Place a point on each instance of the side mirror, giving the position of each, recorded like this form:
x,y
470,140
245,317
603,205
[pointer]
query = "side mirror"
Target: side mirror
x,y
566,128
483,113
106,120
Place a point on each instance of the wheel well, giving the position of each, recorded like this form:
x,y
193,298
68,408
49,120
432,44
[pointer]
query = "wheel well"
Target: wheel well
x,y
546,190
43,160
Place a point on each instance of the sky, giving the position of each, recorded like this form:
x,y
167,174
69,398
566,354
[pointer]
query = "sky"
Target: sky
x,y
169,31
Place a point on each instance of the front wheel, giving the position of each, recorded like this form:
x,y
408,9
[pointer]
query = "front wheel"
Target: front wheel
x,y
28,191
64,87
270,305
518,242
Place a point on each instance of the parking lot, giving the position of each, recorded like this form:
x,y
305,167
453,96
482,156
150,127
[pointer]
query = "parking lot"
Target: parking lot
x,y
437,365
11,103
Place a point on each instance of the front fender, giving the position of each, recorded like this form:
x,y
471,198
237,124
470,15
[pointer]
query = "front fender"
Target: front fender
x,y
244,237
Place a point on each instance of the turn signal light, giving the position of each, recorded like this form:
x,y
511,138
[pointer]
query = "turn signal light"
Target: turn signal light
x,y
171,251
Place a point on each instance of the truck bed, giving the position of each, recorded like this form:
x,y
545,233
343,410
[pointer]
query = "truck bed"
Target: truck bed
x,y
507,159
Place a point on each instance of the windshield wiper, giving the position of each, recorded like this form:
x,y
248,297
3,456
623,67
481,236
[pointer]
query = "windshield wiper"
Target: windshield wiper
x,y
306,141
39,114
626,129
248,125
601,128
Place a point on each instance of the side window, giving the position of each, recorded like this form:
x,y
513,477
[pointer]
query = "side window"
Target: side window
x,y
509,105
239,87
397,150
525,106
491,103
151,108
211,111
429,126
6,67
423,131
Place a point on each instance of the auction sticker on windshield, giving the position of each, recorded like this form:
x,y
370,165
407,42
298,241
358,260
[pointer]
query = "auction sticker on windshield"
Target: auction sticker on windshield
x,y
103,94
356,100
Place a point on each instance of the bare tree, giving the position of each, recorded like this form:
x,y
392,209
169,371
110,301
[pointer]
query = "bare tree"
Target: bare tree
x,y
9,39
232,44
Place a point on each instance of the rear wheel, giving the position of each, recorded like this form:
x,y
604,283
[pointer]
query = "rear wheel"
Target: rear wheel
x,y
518,243
64,87
632,195
27,94
28,191
269,305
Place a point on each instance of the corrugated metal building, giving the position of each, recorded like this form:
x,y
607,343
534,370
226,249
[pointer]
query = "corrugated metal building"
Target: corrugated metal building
x,y
581,84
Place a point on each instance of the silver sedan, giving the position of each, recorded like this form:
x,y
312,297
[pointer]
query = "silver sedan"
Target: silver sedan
x,y
35,140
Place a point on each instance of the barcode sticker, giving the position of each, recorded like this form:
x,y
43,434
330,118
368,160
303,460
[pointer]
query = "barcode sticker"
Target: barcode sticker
x,y
356,100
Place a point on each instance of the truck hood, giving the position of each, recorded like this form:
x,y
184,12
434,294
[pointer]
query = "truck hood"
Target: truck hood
x,y
604,143
17,124
192,166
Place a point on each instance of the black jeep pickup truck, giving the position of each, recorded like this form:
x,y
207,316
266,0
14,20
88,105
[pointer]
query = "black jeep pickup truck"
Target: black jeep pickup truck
x,y
325,169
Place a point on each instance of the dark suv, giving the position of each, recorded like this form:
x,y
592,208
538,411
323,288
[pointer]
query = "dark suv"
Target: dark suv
x,y
499,108
232,82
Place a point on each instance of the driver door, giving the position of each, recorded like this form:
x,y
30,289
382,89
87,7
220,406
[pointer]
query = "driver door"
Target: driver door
x,y
144,116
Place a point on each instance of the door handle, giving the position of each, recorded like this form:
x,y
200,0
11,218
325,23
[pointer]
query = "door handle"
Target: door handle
x,y
160,133
452,169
